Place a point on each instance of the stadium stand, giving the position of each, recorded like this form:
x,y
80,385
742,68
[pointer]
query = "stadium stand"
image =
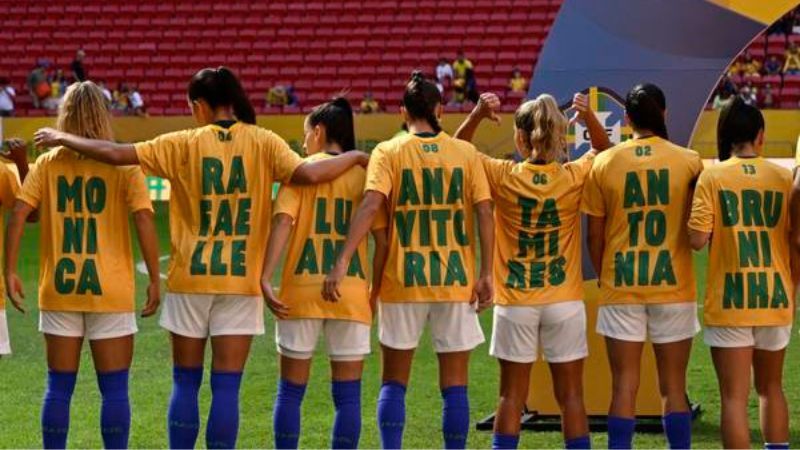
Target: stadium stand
x,y
317,47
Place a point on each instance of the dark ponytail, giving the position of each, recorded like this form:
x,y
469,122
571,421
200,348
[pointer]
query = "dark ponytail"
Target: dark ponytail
x,y
421,99
645,106
739,123
220,87
337,118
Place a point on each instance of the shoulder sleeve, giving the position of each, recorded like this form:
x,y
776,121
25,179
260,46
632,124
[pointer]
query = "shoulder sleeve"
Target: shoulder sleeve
x,y
284,160
495,169
479,185
164,155
380,175
9,188
581,167
33,187
288,201
593,202
137,195
702,215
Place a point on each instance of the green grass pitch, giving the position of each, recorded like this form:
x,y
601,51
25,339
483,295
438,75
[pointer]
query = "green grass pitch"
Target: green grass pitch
x,y
22,382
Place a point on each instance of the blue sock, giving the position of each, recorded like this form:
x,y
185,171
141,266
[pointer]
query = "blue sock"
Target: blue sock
x,y
583,442
455,417
392,414
115,414
55,410
223,418
286,414
347,423
184,416
776,446
504,441
620,432
678,428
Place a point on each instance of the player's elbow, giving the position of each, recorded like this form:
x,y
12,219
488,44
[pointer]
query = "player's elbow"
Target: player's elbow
x,y
698,240
306,174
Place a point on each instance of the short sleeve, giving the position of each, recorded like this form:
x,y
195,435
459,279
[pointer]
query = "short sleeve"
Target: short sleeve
x,y
288,201
380,176
137,195
702,215
593,202
697,166
284,160
479,185
495,169
33,187
164,155
9,188
581,167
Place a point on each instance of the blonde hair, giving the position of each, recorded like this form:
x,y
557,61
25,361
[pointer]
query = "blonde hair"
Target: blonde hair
x,y
84,112
545,127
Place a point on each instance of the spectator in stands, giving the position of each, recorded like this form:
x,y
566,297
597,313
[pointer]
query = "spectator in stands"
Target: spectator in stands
x,y
722,98
726,84
106,93
772,66
748,94
369,105
460,65
7,95
767,97
444,74
120,97
751,68
471,86
791,65
58,85
38,87
78,70
517,83
736,67
278,95
136,102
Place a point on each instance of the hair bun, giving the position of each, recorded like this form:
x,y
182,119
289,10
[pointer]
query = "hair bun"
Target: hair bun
x,y
417,76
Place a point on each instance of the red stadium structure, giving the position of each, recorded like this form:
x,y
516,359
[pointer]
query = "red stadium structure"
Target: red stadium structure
x,y
317,47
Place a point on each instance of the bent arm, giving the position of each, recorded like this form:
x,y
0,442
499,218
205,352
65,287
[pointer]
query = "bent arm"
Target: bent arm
x,y
597,132
595,239
329,169
360,226
148,242
486,234
794,212
278,237
466,131
14,231
104,151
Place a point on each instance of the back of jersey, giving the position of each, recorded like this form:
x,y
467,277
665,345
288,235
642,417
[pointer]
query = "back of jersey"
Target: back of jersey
x,y
643,189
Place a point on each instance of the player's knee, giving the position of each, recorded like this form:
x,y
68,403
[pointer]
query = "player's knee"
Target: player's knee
x,y
769,389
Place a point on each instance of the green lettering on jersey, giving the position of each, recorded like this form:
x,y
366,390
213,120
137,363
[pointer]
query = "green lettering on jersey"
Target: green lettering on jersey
x,y
455,270
408,189
433,186
455,193
212,176
62,284
733,292
414,264
308,259
89,280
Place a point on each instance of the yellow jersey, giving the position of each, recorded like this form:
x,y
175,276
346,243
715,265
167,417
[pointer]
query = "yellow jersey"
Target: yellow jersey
x,y
9,189
84,206
537,230
643,187
744,204
220,209
321,216
432,183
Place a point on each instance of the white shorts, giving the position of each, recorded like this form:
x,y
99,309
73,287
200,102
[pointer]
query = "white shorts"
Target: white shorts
x,y
5,340
762,338
671,322
92,326
345,340
204,315
559,328
454,326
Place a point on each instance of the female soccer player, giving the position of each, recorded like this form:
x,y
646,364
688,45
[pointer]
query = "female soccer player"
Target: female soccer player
x,y
742,203
9,189
638,196
433,185
221,176
85,292
314,220
539,299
